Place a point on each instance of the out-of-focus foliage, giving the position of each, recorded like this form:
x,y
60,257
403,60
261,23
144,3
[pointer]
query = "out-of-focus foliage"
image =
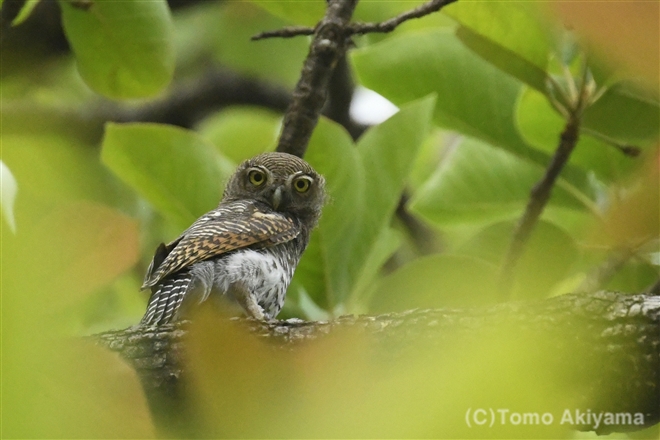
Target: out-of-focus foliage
x,y
123,50
84,204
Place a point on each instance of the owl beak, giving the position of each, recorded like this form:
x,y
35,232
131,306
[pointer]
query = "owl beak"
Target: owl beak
x,y
277,197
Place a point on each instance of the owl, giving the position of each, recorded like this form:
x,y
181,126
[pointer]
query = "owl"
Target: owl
x,y
246,249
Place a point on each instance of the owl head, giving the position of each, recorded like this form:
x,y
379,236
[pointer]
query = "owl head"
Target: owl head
x,y
284,182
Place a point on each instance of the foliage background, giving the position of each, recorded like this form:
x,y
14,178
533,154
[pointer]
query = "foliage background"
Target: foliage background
x,y
85,202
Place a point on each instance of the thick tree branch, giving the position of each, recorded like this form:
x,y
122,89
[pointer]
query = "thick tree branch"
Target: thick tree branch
x,y
620,334
327,48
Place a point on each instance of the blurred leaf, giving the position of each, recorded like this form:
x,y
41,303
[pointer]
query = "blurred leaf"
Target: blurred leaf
x,y
474,97
540,125
509,35
605,25
436,281
350,385
8,188
364,185
387,243
123,49
242,132
56,389
26,10
504,59
275,59
301,13
177,171
633,214
635,276
82,246
624,114
548,257
477,182
53,168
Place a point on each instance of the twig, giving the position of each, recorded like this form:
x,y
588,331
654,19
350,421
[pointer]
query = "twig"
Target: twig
x,y
287,32
539,197
392,23
628,150
327,48
362,28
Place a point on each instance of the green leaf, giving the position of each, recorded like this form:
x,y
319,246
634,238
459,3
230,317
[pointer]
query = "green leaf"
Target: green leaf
x,y
54,168
364,185
123,49
387,243
474,97
302,13
509,35
477,182
540,125
242,132
8,188
625,114
504,59
436,281
548,257
274,59
25,12
177,171
84,246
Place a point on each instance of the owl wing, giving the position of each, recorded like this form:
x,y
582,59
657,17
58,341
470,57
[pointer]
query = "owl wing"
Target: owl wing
x,y
231,226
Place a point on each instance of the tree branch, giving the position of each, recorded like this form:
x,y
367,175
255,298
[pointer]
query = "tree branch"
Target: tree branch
x,y
618,335
192,101
327,48
362,28
391,24
539,197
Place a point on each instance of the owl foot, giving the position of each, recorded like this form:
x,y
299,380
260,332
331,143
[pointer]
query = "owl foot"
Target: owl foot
x,y
247,302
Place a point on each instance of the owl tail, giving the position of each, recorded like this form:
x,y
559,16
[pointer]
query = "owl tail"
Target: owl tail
x,y
166,299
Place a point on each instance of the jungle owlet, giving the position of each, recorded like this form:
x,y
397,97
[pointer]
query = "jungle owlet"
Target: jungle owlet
x,y
247,248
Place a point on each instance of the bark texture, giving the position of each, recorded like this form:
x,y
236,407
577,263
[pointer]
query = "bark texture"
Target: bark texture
x,y
619,333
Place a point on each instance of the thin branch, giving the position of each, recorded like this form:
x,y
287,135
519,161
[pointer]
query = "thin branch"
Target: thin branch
x,y
287,32
391,24
539,197
625,149
327,48
362,28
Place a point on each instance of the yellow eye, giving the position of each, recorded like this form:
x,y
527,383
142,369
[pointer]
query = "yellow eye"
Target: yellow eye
x,y
302,184
256,177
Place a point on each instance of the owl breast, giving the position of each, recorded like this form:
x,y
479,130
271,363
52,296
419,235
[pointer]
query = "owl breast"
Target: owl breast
x,y
264,273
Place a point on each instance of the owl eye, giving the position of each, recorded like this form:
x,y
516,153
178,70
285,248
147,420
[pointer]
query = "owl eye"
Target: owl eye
x,y
302,184
257,177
